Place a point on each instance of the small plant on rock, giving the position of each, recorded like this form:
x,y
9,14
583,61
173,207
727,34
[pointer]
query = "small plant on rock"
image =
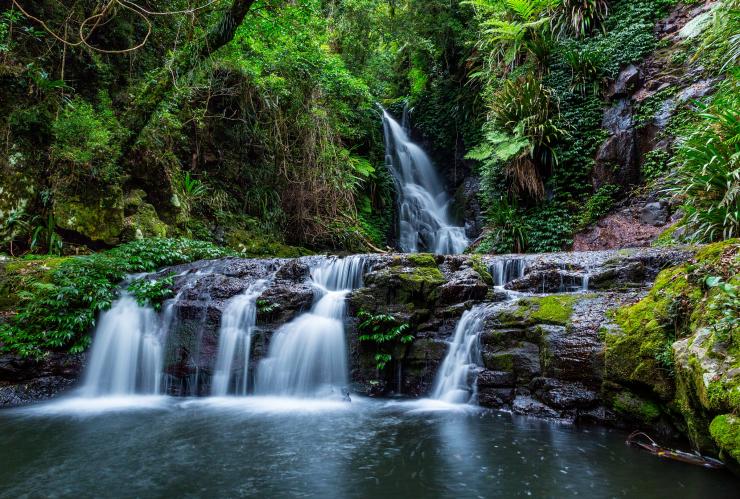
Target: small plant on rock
x,y
384,331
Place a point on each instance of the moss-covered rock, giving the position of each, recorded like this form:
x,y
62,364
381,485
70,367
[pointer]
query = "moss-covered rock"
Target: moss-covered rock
x,y
669,344
725,430
636,408
645,329
141,219
251,244
96,217
476,262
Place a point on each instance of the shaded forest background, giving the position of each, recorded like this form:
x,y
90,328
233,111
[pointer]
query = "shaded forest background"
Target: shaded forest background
x,y
255,124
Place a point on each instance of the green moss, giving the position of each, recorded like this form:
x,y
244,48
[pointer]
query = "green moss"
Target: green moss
x,y
481,269
499,361
100,219
710,253
422,260
424,275
666,237
725,431
632,354
253,245
635,407
555,309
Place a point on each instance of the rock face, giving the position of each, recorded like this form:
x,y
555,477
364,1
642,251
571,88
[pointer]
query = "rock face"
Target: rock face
x,y
24,381
642,100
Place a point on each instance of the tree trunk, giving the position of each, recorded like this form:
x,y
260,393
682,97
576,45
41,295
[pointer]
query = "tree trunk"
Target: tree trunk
x,y
138,117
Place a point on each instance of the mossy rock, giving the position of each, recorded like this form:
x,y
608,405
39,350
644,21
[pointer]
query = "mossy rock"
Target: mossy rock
x,y
250,244
97,218
555,310
141,219
477,263
422,260
725,430
636,408
499,361
644,330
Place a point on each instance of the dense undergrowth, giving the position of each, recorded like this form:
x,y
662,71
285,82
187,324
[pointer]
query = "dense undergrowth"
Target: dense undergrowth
x,y
58,299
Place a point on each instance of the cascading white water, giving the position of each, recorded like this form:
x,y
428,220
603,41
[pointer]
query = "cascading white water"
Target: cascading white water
x,y
307,356
235,341
424,219
454,384
126,356
506,270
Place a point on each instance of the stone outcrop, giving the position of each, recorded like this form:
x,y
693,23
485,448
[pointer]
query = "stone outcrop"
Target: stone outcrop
x,y
641,102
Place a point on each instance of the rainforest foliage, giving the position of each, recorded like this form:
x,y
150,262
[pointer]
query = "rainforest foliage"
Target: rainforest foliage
x,y
253,124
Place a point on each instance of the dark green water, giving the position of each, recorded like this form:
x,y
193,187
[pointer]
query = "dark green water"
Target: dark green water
x,y
278,448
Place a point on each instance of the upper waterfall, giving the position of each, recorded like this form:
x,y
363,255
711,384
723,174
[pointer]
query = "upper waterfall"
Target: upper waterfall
x,y
424,219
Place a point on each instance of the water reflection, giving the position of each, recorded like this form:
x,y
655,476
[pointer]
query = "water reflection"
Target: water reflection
x,y
273,447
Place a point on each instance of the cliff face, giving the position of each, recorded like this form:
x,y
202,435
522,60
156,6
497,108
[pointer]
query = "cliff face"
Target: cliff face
x,y
646,107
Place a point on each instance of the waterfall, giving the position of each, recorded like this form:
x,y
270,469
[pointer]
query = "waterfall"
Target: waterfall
x,y
424,219
126,355
506,270
235,341
307,356
454,383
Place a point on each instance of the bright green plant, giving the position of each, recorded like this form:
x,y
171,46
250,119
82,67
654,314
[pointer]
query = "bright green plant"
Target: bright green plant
x,y
510,231
513,28
87,139
523,130
384,331
598,205
585,69
655,164
580,17
720,45
727,304
707,166
44,235
152,292
15,224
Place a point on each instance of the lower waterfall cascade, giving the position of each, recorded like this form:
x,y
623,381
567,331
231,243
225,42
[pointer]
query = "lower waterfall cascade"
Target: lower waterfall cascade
x,y
308,356
453,383
126,356
235,341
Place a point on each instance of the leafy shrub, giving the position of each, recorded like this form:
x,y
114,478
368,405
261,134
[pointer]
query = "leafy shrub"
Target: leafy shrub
x,y
152,292
580,17
58,313
598,205
707,166
727,304
520,133
510,230
384,331
550,228
720,47
655,164
87,139
513,28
